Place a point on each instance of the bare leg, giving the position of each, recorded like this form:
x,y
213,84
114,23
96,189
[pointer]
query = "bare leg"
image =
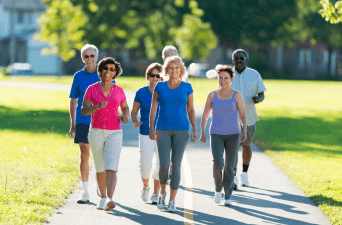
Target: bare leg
x,y
145,181
173,195
84,161
111,180
246,154
156,187
163,189
101,180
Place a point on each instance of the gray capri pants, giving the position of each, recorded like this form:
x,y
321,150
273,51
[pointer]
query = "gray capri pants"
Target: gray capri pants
x,y
177,140
250,135
230,145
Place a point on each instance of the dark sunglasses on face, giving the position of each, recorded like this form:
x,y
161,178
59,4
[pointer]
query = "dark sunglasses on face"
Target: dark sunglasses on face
x,y
155,75
241,58
87,56
111,69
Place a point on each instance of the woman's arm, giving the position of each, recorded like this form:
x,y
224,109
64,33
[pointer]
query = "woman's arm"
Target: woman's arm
x,y
243,118
205,116
87,109
155,99
192,116
125,112
134,112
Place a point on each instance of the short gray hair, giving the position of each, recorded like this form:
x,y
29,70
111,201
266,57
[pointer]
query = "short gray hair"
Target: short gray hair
x,y
167,48
89,46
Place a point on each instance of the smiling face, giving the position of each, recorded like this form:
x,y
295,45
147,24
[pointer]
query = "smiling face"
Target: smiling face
x,y
224,79
174,71
108,72
89,58
154,80
240,61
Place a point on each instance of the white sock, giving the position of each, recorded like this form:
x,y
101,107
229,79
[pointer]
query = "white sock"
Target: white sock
x,y
85,186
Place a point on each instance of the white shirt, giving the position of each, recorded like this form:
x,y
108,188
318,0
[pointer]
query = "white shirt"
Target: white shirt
x,y
249,83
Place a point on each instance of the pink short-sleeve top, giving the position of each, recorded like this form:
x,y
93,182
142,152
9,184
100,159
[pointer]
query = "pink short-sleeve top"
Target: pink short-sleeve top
x,y
106,118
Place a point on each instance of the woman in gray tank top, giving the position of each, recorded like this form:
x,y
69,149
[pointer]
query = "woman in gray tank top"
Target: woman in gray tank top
x,y
227,106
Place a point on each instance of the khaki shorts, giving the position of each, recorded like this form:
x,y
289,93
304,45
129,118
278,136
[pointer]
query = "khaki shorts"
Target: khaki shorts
x,y
106,147
250,135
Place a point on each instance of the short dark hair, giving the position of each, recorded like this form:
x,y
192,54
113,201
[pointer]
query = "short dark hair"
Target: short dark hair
x,y
239,50
109,60
227,69
151,67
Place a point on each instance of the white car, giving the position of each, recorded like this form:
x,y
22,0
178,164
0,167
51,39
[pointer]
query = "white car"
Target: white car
x,y
19,69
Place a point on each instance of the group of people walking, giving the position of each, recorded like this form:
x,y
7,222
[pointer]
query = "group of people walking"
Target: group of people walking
x,y
166,106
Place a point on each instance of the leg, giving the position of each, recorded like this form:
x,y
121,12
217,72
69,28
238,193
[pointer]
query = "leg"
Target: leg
x,y
246,154
217,148
84,161
164,147
155,170
146,149
101,180
246,147
111,180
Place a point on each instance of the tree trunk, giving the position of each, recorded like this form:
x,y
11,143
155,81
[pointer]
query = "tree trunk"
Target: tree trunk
x,y
329,62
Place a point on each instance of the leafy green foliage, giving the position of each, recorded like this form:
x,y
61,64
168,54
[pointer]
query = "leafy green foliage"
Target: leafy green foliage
x,y
331,13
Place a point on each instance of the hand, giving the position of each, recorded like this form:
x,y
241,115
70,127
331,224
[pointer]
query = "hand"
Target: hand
x,y
255,99
102,104
153,134
193,137
124,119
243,136
72,132
203,138
137,124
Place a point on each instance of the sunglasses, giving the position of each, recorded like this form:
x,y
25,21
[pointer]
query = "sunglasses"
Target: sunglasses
x,y
241,58
155,75
89,56
109,69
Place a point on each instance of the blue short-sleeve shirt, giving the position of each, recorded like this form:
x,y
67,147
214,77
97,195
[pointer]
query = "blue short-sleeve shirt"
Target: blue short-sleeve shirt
x,y
172,103
144,97
82,80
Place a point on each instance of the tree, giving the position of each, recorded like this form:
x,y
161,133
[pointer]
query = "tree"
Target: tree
x,y
331,13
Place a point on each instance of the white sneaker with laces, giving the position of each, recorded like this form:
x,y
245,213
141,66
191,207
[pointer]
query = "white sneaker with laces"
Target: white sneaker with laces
x,y
84,198
109,204
228,202
101,204
161,202
171,207
218,197
244,179
154,199
145,192
236,183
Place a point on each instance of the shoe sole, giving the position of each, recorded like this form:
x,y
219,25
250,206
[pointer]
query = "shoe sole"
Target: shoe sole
x,y
82,202
154,203
235,187
171,210
109,206
228,204
161,207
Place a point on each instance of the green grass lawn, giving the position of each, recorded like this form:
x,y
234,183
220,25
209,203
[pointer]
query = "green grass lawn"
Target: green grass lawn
x,y
300,130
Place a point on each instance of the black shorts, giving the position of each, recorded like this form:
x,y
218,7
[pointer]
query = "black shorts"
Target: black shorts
x,y
81,133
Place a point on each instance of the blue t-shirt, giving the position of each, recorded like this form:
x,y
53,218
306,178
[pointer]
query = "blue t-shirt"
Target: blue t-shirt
x,y
144,97
172,112
82,79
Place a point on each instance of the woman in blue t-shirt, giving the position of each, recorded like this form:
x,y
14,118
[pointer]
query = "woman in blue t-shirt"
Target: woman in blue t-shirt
x,y
147,147
175,99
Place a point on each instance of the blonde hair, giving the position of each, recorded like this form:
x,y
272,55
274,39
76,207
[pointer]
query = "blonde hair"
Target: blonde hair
x,y
177,60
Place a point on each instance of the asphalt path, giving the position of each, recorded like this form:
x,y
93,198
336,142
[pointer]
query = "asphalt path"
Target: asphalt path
x,y
272,198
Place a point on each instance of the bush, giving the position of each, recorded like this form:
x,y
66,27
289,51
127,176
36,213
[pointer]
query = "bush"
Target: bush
x,y
258,61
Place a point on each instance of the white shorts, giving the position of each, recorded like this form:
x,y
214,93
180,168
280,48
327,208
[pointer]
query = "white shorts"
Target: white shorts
x,y
106,147
148,150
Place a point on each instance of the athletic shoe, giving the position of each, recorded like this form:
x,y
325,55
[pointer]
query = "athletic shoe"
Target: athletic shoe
x,y
145,193
154,199
161,202
236,183
228,202
101,204
171,207
84,198
244,179
218,197
109,205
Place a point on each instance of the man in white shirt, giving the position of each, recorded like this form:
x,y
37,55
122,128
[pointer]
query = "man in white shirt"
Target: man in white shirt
x,y
249,82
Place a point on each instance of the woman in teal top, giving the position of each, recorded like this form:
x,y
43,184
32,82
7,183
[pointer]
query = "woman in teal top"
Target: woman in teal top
x,y
175,99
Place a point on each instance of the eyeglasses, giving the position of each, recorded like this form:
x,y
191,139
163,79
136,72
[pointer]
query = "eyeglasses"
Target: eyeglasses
x,y
87,56
109,69
155,75
241,58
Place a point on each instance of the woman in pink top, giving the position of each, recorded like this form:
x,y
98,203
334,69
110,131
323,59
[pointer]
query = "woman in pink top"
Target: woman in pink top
x,y
105,134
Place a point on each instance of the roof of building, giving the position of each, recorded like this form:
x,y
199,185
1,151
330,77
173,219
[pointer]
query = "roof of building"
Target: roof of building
x,y
26,5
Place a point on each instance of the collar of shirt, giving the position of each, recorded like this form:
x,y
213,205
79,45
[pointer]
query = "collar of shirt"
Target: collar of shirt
x,y
86,72
243,72
98,86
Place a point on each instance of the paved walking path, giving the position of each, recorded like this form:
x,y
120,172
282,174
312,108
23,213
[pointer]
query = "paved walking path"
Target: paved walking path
x,y
272,198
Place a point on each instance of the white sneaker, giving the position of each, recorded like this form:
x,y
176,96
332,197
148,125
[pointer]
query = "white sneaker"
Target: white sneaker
x,y
228,202
145,193
161,202
101,204
218,197
154,199
244,179
236,183
171,207
109,205
84,198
